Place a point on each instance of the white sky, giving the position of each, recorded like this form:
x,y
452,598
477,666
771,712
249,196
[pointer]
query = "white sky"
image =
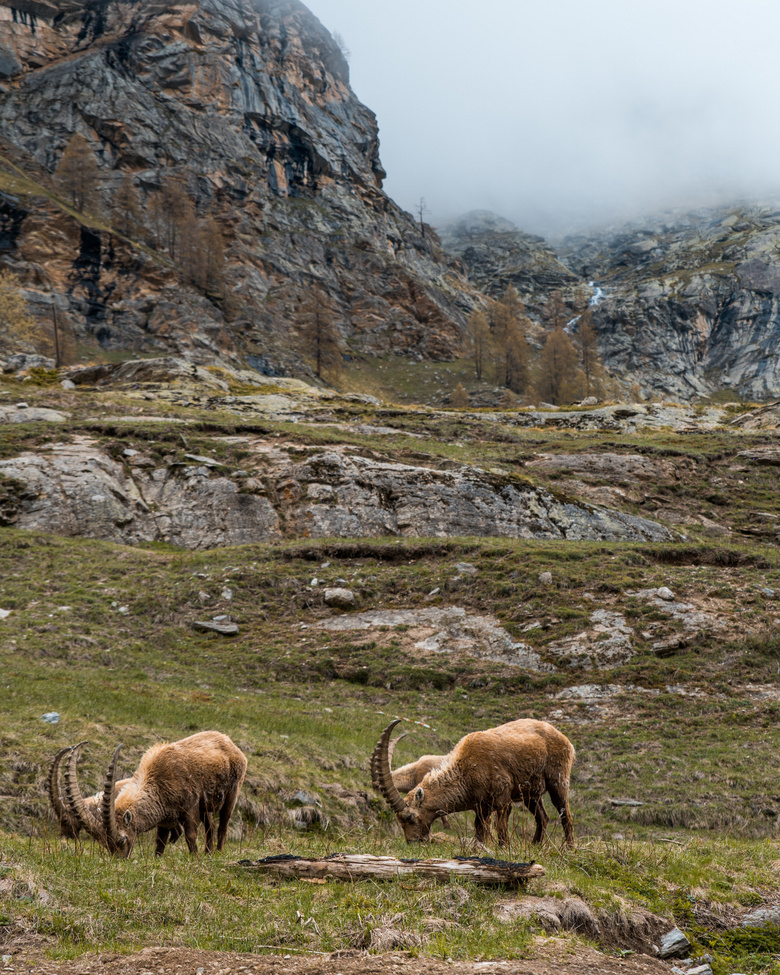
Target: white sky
x,y
559,112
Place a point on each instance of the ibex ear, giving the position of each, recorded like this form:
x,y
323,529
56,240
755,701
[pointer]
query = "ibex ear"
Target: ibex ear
x,y
127,818
419,795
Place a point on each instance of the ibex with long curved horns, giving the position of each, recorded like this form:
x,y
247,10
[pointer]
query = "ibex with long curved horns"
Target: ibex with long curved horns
x,y
408,776
486,771
175,787
69,826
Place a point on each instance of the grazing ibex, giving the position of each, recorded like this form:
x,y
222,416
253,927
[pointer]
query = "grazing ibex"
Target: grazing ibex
x,y
408,776
486,771
69,825
175,787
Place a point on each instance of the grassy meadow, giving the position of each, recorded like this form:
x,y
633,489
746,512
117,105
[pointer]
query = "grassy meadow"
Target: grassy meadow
x,y
675,792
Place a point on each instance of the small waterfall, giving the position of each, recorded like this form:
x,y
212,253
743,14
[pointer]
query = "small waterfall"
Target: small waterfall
x,y
595,299
598,295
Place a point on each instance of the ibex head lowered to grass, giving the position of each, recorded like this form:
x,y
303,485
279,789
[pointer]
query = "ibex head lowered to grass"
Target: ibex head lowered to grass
x,y
486,771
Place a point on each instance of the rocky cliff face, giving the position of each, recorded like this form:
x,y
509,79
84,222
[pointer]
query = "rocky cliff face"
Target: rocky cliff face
x,y
247,105
692,301
685,305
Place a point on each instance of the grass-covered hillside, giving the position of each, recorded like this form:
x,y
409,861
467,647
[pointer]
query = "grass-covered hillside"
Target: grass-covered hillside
x,y
670,699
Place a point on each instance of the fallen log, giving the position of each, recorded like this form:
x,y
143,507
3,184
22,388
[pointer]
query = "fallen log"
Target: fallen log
x,y
362,866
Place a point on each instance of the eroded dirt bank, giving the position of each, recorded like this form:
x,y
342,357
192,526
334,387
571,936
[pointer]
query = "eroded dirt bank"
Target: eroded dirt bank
x,y
550,957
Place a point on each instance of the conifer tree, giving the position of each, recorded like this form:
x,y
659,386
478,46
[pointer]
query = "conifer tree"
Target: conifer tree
x,y
188,251
511,300
213,245
459,398
557,313
511,348
589,351
479,339
127,214
517,374
582,299
17,327
321,341
171,211
77,174
557,367
500,322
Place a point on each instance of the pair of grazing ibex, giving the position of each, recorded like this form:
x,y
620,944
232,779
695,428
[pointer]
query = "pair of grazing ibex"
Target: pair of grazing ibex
x,y
180,785
174,789
485,772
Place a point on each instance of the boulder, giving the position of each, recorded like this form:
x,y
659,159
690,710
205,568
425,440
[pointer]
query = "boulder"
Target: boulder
x,y
211,626
138,371
761,917
674,944
339,598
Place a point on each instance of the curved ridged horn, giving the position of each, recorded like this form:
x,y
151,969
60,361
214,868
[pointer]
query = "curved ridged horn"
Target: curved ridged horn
x,y
59,807
76,805
391,748
108,806
381,776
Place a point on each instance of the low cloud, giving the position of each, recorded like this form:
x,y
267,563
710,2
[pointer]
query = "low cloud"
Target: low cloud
x,y
567,115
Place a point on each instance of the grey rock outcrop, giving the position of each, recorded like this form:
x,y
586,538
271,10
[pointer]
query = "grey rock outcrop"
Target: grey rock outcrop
x,y
77,488
627,417
446,630
22,413
167,369
348,496
21,362
617,468
762,917
607,641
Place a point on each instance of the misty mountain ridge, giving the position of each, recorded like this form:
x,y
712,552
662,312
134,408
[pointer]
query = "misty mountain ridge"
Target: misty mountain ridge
x,y
244,109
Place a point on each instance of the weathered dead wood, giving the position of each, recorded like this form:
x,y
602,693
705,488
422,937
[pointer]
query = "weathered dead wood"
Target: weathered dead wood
x,y
360,866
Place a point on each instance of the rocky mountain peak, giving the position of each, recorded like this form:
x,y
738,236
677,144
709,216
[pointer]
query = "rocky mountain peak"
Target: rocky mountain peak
x,y
477,222
245,108
692,299
496,254
266,70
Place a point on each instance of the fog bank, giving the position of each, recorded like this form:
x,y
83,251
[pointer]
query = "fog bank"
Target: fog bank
x,y
564,115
